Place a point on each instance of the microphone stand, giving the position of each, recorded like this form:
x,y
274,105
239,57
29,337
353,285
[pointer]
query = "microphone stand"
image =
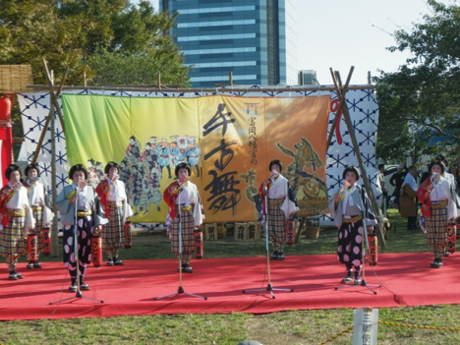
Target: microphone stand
x,y
180,290
75,248
269,287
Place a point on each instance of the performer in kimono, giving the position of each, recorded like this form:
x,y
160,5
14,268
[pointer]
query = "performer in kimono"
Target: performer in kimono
x,y
80,208
456,199
183,198
39,201
16,220
112,194
438,199
281,205
352,211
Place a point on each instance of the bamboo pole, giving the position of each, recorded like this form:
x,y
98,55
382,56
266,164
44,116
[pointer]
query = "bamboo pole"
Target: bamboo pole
x,y
52,94
54,226
238,88
51,121
341,103
302,224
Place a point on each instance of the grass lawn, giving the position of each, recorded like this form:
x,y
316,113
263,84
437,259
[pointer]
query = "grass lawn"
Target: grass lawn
x,y
284,328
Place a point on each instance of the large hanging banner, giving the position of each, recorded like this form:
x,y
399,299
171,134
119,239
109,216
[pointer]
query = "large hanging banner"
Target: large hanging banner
x,y
362,106
228,142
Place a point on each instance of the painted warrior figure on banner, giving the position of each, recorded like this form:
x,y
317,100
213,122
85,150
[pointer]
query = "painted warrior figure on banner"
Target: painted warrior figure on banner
x,y
281,205
113,196
185,211
164,156
178,149
81,211
41,208
311,192
352,211
95,172
149,155
16,220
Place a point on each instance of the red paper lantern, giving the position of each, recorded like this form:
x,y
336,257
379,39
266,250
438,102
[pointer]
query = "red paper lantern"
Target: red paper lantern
x,y
5,111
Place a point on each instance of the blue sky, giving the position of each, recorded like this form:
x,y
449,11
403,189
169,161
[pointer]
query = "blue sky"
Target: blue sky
x,y
345,33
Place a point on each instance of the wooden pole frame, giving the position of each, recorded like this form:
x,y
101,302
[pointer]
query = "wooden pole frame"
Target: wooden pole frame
x,y
346,115
52,94
54,105
342,101
221,89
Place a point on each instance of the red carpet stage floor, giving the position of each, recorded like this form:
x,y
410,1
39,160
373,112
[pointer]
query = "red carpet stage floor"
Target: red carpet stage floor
x,y
406,280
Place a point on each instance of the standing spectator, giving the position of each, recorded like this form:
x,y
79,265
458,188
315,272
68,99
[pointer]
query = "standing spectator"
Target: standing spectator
x,y
454,170
381,179
425,174
408,198
396,181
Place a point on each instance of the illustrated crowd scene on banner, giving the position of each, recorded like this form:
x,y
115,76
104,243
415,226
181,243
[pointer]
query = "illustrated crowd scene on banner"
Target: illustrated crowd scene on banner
x,y
143,169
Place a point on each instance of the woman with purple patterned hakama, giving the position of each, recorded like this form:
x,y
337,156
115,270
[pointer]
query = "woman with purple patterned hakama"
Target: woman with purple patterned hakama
x,y
351,208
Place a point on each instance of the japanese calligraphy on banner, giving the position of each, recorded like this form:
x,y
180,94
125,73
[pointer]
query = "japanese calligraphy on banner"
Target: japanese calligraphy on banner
x,y
228,142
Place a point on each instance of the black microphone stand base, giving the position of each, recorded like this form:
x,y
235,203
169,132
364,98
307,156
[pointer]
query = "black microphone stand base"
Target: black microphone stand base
x,y
180,291
78,295
362,283
270,289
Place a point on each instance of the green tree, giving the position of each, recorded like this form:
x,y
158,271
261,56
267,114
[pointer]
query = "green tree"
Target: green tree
x,y
78,33
421,101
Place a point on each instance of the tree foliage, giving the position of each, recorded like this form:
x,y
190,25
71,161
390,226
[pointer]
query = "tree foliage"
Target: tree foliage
x,y
420,104
104,38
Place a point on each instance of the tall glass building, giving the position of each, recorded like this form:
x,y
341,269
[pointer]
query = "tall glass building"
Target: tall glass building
x,y
254,39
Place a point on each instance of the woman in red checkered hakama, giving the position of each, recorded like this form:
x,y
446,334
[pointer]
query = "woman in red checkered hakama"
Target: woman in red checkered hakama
x,y
41,209
112,193
281,205
438,207
183,199
16,220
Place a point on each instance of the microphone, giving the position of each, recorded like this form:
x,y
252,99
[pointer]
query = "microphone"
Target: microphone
x,y
80,186
435,178
274,174
17,185
182,182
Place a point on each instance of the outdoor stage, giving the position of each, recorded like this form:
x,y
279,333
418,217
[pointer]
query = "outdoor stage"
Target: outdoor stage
x,y
406,280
